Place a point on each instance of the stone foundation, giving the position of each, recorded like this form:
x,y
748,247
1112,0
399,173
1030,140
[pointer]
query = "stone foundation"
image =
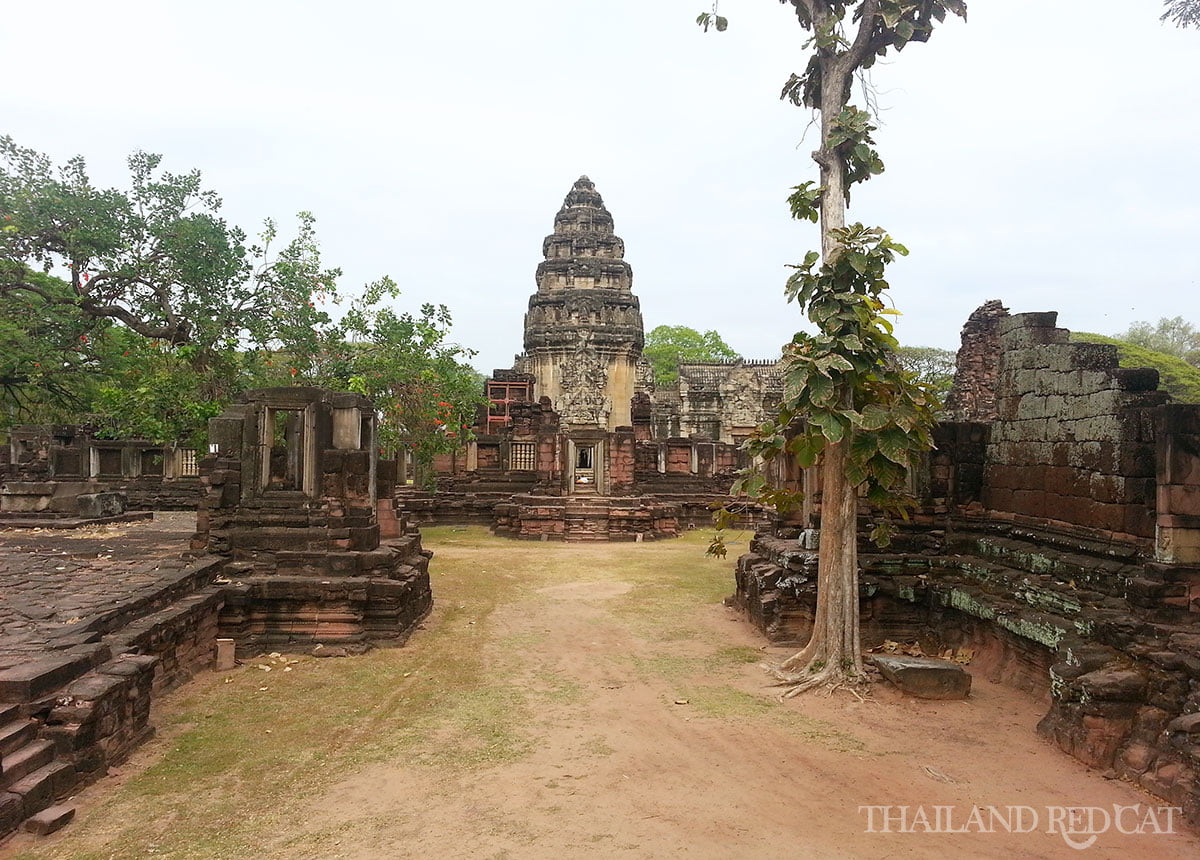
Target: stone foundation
x,y
1091,627
83,704
587,518
299,519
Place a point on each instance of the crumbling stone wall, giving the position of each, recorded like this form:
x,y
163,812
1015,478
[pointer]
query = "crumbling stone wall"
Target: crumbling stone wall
x,y
621,461
1177,456
1074,440
298,518
1060,541
973,394
152,476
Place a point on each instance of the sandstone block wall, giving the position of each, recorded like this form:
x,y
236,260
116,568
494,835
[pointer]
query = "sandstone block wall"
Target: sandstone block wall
x,y
1074,438
1177,458
621,461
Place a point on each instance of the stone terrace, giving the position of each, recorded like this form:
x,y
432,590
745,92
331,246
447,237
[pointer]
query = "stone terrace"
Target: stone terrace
x,y
59,588
93,623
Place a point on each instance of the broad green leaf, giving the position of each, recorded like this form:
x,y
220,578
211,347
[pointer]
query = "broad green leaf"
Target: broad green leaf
x,y
830,425
875,417
894,444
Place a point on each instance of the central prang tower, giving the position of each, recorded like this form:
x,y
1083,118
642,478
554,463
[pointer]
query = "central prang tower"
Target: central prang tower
x,y
583,330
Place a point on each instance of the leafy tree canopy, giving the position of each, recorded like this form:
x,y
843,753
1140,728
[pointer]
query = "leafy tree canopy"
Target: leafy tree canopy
x,y
48,353
143,309
1184,13
1173,336
929,365
427,394
157,258
667,346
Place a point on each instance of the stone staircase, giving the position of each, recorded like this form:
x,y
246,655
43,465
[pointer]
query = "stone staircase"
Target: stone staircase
x,y
585,518
31,778
82,701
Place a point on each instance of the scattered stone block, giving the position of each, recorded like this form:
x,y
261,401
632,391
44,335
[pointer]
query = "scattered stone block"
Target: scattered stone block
x,y
924,677
94,505
49,820
40,788
225,655
1189,723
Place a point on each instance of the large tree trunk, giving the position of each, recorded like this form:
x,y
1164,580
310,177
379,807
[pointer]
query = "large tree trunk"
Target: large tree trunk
x,y
833,654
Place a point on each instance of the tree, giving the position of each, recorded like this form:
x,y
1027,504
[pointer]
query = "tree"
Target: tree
x,y
1173,336
667,346
930,365
48,356
1185,13
427,396
171,313
157,258
847,404
164,313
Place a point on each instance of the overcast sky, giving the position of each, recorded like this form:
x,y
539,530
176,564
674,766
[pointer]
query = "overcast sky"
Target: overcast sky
x,y
1046,154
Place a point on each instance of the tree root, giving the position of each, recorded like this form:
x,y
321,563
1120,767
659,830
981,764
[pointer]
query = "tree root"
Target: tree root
x,y
831,675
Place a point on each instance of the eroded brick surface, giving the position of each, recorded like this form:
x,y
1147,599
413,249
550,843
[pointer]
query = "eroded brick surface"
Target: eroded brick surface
x,y
57,586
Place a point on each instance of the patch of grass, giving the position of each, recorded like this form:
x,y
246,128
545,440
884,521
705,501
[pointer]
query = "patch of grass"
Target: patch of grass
x,y
737,655
231,745
676,666
723,702
598,746
555,687
1180,379
672,667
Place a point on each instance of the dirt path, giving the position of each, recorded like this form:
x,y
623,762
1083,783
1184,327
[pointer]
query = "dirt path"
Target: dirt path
x,y
581,701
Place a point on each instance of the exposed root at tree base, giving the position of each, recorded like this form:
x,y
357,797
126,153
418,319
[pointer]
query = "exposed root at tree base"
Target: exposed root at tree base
x,y
831,676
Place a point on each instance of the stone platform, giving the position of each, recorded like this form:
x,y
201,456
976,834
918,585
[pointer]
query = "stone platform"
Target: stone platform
x,y
587,518
93,623
97,621
66,521
1091,627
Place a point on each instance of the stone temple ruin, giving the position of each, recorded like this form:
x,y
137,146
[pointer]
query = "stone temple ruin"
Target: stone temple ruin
x,y
1057,535
1058,538
576,442
297,545
292,497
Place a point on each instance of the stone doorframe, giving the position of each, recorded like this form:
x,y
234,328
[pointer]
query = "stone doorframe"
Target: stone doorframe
x,y
576,474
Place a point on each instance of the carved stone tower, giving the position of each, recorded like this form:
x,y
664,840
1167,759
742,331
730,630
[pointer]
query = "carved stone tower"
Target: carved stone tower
x,y
583,331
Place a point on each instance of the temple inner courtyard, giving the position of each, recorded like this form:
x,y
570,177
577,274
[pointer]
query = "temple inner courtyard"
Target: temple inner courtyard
x,y
561,699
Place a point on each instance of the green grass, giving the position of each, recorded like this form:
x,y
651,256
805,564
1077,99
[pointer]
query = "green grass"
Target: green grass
x,y
1178,378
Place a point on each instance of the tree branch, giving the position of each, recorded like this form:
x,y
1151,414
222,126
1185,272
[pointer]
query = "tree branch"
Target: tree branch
x,y
853,57
116,312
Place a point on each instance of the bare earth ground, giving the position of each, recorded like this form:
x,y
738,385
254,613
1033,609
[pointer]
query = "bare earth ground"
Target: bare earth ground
x,y
574,701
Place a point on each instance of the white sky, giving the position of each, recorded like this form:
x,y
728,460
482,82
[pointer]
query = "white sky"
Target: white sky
x,y
1045,154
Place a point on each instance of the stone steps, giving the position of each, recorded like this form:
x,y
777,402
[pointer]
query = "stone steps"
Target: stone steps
x,y
15,735
24,761
39,790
